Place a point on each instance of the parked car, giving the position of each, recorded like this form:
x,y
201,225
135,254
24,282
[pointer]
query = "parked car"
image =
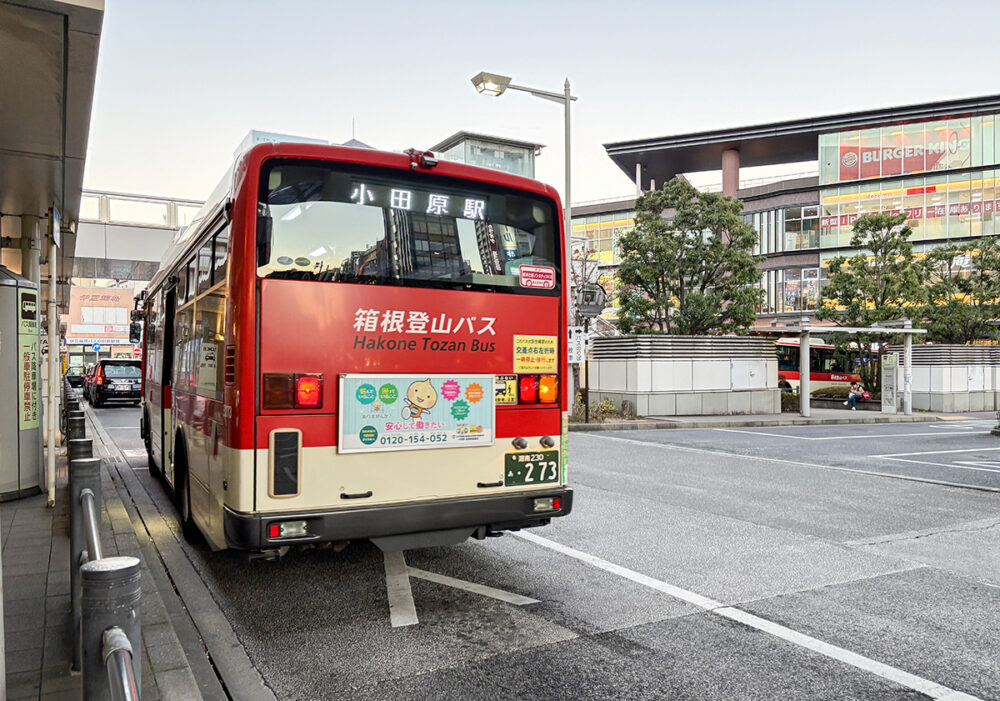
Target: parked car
x,y
116,381
88,378
75,377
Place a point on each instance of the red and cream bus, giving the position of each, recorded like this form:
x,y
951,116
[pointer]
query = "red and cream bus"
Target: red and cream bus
x,y
826,368
351,344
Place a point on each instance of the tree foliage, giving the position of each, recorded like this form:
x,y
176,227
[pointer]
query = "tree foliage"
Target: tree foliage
x,y
963,289
881,282
692,273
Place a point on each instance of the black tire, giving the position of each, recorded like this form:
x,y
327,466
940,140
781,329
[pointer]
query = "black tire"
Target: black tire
x,y
96,402
182,495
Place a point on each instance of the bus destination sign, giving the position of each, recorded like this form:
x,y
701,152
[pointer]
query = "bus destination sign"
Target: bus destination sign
x,y
411,412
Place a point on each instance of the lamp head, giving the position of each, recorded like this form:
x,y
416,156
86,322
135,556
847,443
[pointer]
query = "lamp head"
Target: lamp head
x,y
491,84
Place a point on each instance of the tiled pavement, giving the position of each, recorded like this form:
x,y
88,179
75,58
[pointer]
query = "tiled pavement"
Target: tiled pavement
x,y
37,614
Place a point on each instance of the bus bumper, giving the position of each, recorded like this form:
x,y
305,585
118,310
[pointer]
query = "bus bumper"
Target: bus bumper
x,y
400,526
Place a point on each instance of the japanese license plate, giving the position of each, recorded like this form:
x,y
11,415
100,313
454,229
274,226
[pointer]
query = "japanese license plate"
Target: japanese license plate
x,y
525,469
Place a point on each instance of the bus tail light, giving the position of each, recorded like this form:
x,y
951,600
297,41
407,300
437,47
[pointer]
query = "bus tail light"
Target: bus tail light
x,y
278,391
548,504
308,391
287,529
548,389
527,389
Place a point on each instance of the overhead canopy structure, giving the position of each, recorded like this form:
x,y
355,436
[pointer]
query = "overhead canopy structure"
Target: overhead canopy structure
x,y
48,55
793,141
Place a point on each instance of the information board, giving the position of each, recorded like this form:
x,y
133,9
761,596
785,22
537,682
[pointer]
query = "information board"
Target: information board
x,y
27,358
890,361
412,412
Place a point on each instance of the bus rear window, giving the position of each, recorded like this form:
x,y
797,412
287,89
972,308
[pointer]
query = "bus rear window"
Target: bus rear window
x,y
342,223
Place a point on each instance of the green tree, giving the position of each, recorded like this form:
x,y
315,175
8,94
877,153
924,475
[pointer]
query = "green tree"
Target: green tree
x,y
691,273
963,291
881,282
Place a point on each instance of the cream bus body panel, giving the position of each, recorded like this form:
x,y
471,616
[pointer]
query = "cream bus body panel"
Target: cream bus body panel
x,y
392,477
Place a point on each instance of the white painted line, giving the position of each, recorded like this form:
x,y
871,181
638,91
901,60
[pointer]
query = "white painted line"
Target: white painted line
x,y
934,452
919,684
953,465
402,610
797,463
480,589
898,676
852,437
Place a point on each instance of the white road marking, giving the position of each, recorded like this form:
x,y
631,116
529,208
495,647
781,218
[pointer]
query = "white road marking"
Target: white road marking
x,y
402,611
852,436
956,465
480,589
934,452
898,676
798,463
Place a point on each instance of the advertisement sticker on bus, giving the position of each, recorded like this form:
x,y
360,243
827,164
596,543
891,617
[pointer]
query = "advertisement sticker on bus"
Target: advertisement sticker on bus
x,y
538,277
536,354
410,412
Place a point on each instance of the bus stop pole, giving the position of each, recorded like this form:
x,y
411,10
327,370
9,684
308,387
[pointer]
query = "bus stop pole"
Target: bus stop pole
x,y
804,368
53,360
907,369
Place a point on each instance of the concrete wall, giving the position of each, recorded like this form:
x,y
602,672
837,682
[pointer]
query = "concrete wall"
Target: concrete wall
x,y
682,376
953,378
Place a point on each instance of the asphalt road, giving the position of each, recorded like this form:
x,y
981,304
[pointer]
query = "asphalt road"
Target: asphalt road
x,y
698,564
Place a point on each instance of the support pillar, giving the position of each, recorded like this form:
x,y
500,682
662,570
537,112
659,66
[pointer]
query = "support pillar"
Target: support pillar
x,y
804,388
907,369
31,247
638,179
52,417
730,172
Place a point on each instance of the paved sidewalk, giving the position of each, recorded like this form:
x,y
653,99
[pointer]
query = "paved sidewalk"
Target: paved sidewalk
x,y
37,613
819,417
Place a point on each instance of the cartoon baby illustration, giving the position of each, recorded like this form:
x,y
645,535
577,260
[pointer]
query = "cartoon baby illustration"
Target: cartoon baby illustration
x,y
420,397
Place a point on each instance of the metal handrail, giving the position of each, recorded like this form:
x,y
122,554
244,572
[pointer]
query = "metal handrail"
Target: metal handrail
x,y
91,525
118,662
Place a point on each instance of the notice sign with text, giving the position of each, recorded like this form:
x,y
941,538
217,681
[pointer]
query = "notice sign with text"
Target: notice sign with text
x,y
536,353
410,412
27,358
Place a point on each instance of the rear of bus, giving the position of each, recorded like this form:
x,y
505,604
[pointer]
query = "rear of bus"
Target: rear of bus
x,y
403,334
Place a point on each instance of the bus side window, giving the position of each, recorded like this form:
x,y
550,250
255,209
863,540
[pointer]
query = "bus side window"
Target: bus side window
x,y
204,259
221,260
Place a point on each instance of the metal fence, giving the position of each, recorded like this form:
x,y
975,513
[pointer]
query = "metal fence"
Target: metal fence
x,y
105,591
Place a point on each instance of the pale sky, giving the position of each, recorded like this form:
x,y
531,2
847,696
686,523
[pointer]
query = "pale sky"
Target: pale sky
x,y
180,83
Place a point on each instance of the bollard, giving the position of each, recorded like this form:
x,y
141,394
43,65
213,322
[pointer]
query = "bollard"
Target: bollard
x,y
76,426
84,473
110,598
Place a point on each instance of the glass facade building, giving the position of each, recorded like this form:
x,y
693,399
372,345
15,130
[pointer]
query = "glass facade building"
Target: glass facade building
x,y
599,233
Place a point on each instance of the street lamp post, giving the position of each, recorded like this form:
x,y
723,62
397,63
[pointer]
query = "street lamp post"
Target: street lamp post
x,y
495,85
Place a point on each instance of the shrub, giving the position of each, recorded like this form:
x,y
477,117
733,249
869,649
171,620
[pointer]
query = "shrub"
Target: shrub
x,y
837,392
789,401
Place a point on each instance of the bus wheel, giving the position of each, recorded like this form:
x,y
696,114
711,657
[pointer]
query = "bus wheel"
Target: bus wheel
x,y
182,494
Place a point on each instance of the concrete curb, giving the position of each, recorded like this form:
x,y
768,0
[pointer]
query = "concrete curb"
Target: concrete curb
x,y
165,653
748,423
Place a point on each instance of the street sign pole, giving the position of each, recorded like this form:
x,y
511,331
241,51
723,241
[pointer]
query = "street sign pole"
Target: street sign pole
x,y
586,371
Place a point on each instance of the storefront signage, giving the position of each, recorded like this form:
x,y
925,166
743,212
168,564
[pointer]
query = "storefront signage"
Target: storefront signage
x,y
957,209
412,412
944,148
